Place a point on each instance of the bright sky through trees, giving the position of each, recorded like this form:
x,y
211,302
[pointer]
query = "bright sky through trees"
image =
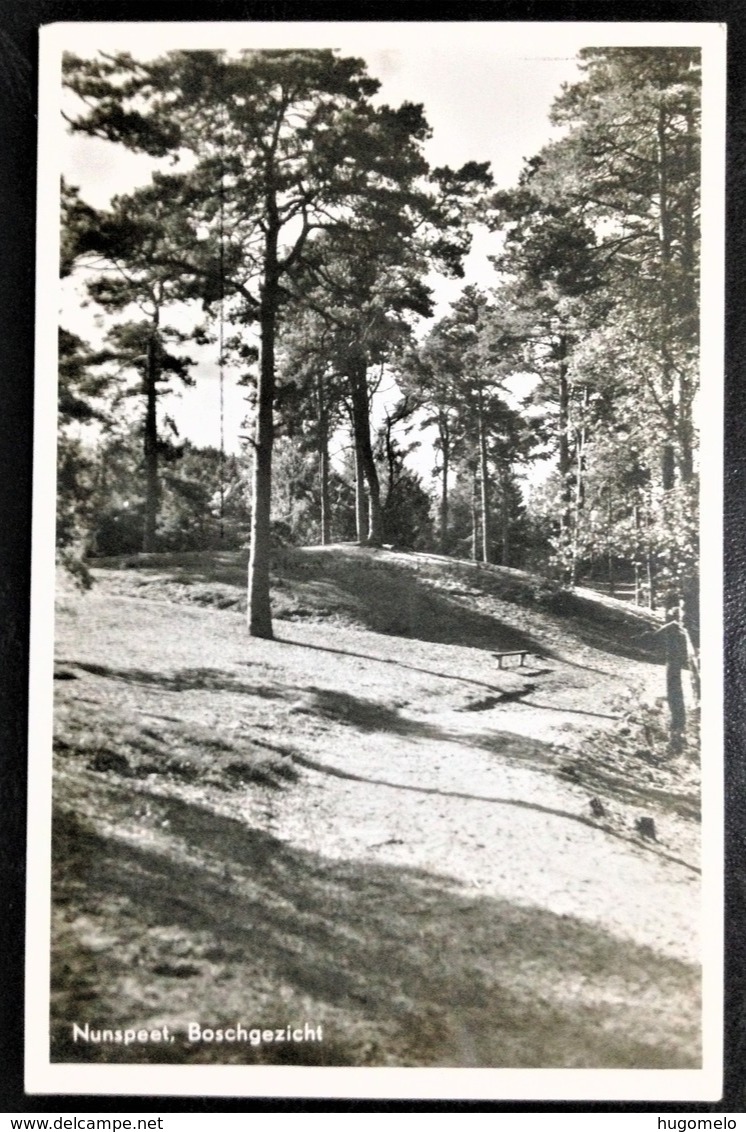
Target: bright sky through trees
x,y
487,89
485,99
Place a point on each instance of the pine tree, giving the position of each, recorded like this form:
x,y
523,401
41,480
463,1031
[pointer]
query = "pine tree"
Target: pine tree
x,y
285,143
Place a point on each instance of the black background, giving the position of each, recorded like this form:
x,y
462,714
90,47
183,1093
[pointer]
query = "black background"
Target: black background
x,y
19,24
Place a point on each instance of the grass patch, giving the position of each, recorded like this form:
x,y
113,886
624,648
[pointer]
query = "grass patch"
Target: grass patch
x,y
395,966
192,883
109,741
411,595
632,761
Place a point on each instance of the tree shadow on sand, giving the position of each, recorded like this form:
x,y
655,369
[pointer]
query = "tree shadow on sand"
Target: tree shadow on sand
x,y
210,920
337,708
402,605
369,589
406,603
181,680
507,739
499,693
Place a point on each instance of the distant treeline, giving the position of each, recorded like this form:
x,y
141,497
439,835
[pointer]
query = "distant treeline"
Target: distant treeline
x,y
297,240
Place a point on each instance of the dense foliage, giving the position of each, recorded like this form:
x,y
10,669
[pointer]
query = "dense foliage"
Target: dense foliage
x,y
298,229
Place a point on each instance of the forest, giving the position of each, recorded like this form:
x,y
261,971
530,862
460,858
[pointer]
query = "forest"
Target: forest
x,y
441,802
294,228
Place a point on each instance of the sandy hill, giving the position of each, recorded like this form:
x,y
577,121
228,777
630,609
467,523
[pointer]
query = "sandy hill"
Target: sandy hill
x,y
367,823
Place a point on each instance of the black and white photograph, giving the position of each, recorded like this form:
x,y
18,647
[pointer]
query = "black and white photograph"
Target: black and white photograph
x,y
376,698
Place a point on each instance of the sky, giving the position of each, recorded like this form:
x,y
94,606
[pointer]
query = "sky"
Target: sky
x,y
487,89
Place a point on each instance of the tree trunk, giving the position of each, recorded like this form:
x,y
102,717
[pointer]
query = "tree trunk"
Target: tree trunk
x,y
474,518
259,613
564,453
675,693
361,499
638,552
505,517
150,445
390,462
609,548
484,473
580,438
690,599
364,450
324,491
323,450
692,659
651,580
445,450
676,660
689,301
668,454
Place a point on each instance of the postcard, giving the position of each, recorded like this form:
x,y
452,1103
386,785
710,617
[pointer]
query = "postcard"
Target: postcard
x,y
376,687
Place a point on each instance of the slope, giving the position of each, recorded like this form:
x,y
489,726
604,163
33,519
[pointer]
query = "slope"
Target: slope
x,y
366,824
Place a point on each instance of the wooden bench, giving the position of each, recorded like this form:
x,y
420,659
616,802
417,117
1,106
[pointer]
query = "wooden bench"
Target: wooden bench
x,y
522,653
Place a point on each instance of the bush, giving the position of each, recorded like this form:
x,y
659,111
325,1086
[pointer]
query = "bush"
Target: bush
x,y
643,731
119,530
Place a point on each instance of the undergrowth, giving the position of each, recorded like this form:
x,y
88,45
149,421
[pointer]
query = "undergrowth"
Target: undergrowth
x,y
643,732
